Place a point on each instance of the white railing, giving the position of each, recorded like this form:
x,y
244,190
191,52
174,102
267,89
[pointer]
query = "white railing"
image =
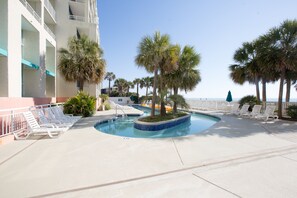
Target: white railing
x,y
12,120
77,18
79,1
223,105
49,31
50,8
93,20
31,10
120,108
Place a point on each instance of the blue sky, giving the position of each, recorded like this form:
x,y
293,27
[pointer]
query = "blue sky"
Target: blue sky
x,y
215,28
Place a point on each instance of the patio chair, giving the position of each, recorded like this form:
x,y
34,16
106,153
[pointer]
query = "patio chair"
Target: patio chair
x,y
58,112
35,128
235,109
256,111
268,113
244,110
42,119
50,114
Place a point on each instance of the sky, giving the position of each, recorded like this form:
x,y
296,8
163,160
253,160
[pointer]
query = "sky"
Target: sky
x,y
215,29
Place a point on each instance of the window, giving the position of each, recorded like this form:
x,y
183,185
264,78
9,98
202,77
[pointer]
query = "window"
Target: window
x,y
120,100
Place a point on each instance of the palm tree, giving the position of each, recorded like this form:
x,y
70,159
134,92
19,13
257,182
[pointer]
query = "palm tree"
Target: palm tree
x,y
168,65
147,83
130,86
122,85
247,67
82,62
110,77
137,82
187,76
283,53
150,54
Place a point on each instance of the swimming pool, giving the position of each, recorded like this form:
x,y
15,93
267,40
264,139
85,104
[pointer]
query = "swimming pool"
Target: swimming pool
x,y
124,126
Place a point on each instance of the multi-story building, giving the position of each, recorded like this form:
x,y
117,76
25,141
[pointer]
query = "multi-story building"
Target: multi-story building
x,y
31,34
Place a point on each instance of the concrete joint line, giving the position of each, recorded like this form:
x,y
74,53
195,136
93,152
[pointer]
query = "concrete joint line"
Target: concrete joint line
x,y
215,185
180,158
17,153
230,161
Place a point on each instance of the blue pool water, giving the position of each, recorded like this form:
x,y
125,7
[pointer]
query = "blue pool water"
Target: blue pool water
x,y
125,126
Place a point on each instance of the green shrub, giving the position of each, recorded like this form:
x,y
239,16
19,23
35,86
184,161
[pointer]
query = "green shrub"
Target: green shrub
x,y
292,111
82,104
104,97
250,99
107,105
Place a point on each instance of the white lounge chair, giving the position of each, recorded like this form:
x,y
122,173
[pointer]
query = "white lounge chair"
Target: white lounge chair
x,y
256,111
244,110
235,109
58,112
49,113
35,128
42,119
268,113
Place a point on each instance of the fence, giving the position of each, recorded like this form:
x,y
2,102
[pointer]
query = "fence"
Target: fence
x,y
12,120
224,106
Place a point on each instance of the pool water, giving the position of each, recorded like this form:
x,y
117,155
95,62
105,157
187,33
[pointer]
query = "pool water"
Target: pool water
x,y
124,126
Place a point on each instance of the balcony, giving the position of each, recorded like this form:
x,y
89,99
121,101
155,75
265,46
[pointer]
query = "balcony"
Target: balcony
x,y
50,8
77,18
49,31
78,1
31,10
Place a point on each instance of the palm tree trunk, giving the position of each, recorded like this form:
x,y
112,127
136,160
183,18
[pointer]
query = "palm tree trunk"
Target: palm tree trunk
x,y
264,99
137,93
280,93
109,88
257,89
175,92
162,108
154,91
288,93
81,85
146,91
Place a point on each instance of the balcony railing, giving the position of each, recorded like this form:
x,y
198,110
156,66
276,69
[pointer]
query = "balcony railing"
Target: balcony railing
x,y
77,18
50,8
79,1
49,31
93,20
31,10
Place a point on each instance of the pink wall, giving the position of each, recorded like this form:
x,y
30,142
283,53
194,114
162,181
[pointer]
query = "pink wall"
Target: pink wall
x,y
8,103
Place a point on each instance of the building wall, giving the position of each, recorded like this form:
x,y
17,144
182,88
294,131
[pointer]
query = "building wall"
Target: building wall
x,y
68,89
40,48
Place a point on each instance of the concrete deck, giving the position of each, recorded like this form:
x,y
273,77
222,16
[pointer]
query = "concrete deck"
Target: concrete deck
x,y
234,158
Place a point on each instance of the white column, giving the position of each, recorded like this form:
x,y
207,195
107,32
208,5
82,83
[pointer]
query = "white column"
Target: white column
x,y
14,49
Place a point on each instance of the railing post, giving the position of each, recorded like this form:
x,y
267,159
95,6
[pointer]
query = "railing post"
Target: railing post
x,y
12,121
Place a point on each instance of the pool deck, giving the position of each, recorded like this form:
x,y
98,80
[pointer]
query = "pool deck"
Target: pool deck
x,y
237,157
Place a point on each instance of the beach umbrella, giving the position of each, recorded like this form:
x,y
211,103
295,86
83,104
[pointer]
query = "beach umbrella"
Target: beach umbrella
x,y
229,97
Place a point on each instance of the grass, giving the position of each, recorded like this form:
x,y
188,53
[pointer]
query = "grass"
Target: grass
x,y
159,118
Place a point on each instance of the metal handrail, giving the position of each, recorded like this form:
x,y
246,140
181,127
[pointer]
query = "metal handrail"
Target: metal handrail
x,y
50,8
116,108
77,18
31,10
49,31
